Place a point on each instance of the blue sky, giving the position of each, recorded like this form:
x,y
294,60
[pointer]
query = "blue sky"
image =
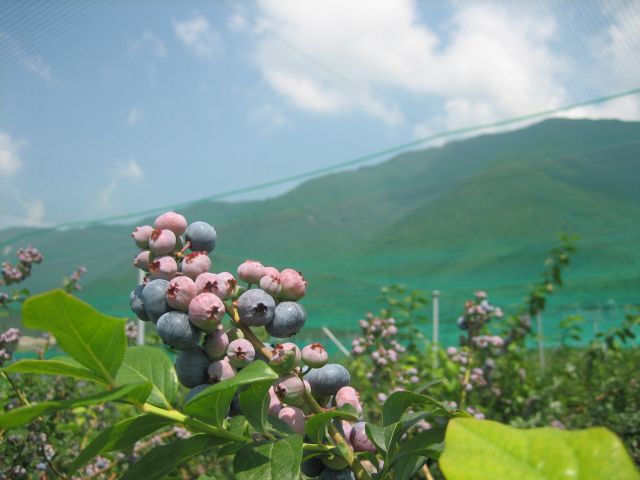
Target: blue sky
x,y
112,107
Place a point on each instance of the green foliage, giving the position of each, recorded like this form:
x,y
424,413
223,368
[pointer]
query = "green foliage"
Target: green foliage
x,y
91,338
482,450
56,366
269,460
148,364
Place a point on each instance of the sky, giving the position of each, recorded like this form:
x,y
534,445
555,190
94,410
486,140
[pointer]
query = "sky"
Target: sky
x,y
110,108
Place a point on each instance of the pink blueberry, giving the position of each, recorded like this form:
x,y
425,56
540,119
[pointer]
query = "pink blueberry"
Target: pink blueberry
x,y
292,285
180,293
275,405
231,282
294,417
288,346
206,311
241,353
162,242
195,264
221,370
270,282
141,235
290,389
164,267
216,344
250,271
348,396
212,283
315,355
347,428
359,439
142,260
172,221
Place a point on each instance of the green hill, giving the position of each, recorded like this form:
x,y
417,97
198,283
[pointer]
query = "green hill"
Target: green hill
x,y
476,213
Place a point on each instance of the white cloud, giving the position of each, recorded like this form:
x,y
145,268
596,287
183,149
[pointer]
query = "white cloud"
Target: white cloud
x,y
134,116
35,212
148,42
10,161
198,36
30,62
238,23
268,117
129,172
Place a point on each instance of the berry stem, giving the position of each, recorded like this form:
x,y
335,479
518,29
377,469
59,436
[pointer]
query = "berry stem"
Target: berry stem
x,y
248,334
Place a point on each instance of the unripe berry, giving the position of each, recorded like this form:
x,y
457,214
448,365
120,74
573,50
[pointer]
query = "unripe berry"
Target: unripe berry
x,y
181,291
348,396
294,417
221,370
195,264
162,242
141,235
270,282
251,271
142,260
256,308
212,283
275,405
292,285
216,344
172,221
241,353
206,311
315,355
359,439
290,390
231,282
164,267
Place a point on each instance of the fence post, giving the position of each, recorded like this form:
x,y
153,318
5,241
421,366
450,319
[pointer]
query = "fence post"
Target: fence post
x,y
436,326
140,338
540,340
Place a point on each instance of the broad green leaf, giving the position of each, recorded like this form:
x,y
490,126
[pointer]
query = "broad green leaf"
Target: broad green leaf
x,y
407,466
427,443
376,435
395,406
120,436
23,415
482,449
254,403
55,366
212,404
393,433
315,425
148,364
95,340
164,459
279,460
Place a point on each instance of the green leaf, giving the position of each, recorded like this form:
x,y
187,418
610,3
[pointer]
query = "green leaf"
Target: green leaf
x,y
23,415
395,406
376,435
55,366
279,460
393,433
407,466
427,443
148,364
120,436
164,459
482,449
95,340
315,426
212,404
254,403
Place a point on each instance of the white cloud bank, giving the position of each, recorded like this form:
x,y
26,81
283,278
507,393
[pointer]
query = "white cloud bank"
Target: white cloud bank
x,y
198,36
494,64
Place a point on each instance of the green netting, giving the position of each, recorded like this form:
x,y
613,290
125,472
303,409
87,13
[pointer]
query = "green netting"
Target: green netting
x,y
479,213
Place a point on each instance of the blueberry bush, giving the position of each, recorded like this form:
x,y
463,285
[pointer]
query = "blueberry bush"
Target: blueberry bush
x,y
261,410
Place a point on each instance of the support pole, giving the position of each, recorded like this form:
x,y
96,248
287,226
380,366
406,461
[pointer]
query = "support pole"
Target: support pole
x,y
140,339
337,342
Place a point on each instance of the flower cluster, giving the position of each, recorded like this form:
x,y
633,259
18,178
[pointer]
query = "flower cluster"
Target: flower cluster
x,y
72,284
12,274
8,343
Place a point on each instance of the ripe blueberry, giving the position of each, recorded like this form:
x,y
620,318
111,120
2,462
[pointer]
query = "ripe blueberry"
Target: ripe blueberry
x,y
201,237
328,379
154,298
191,367
177,331
256,307
288,319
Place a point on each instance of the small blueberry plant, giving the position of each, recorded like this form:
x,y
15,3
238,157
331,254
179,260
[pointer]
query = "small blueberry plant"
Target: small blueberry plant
x,y
276,410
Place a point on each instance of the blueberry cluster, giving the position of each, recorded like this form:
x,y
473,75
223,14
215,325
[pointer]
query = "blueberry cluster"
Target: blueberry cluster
x,y
17,273
188,304
8,343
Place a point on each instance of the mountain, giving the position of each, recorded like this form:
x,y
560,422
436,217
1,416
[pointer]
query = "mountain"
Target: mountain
x,y
476,213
